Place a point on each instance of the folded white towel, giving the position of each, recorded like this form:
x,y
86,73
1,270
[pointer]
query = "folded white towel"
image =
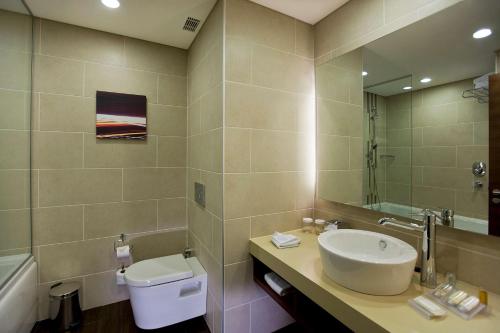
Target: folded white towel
x,y
280,286
282,241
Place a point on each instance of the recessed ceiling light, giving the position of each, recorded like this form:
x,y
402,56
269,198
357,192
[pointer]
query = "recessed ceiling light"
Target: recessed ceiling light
x,y
426,80
481,33
364,73
407,88
111,3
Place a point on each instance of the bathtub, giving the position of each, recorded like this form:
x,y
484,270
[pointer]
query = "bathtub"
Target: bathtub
x,y
18,294
461,222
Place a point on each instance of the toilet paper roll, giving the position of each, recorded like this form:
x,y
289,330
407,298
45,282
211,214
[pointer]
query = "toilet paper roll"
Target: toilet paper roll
x,y
120,277
123,252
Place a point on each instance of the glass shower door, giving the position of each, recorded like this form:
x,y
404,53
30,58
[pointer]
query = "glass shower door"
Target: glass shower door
x,y
15,135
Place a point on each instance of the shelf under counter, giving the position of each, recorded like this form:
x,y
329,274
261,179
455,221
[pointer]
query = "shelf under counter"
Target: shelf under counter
x,y
301,267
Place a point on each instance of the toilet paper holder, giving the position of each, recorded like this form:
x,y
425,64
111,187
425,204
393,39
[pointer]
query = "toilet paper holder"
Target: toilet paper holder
x,y
122,242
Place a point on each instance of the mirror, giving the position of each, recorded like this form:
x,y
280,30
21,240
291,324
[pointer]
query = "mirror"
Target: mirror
x,y
404,121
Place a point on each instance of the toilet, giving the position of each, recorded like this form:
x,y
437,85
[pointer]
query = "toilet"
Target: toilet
x,y
166,290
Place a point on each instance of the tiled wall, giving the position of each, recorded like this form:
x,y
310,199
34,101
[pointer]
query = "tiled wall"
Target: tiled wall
x,y
88,191
449,134
339,90
205,109
399,145
359,22
268,148
15,79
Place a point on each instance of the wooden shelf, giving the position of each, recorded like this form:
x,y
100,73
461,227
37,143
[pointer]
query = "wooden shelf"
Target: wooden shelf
x,y
308,315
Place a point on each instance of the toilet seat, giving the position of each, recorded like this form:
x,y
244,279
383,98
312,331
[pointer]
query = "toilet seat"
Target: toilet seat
x,y
152,272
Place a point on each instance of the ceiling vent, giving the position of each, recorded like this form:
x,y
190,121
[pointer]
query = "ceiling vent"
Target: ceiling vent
x,y
191,24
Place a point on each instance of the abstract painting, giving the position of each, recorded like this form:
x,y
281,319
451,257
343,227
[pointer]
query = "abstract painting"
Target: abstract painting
x,y
120,116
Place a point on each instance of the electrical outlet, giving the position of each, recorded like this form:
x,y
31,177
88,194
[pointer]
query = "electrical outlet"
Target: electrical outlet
x,y
199,194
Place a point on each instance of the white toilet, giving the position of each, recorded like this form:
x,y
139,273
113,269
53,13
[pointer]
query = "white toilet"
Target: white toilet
x,y
166,290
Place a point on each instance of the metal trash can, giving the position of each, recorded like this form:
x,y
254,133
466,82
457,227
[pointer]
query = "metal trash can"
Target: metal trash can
x,y
65,311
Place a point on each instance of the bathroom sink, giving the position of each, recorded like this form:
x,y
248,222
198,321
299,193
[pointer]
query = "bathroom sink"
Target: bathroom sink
x,y
367,262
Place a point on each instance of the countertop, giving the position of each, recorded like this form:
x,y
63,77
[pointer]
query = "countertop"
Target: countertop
x,y
301,267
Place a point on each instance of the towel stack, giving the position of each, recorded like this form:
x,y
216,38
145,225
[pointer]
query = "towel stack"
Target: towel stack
x,y
283,241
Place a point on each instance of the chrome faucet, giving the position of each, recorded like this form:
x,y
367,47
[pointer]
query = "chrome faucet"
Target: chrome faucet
x,y
428,274
447,217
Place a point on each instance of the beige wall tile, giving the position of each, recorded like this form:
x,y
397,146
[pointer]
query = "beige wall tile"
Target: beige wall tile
x,y
461,134
56,150
153,183
14,109
166,120
101,289
272,192
172,152
15,147
268,316
172,90
237,190
332,185
304,39
238,60
237,150
158,244
435,156
267,224
336,118
481,133
433,115
273,151
15,31
471,111
154,57
466,155
278,70
200,224
236,236
16,189
260,108
57,225
78,186
239,287
434,198
172,213
333,152
113,219
15,69
75,259
67,113
119,154
69,41
255,23
211,109
15,228
473,204
122,80
399,193
58,76
213,192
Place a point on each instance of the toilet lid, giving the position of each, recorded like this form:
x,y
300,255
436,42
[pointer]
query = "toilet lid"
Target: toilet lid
x,y
156,271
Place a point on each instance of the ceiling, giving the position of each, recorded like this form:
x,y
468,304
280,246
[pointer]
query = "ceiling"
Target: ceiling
x,y
13,6
309,11
440,46
159,21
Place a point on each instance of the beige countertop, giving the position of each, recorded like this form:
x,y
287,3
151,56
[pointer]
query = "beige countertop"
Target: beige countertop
x,y
301,267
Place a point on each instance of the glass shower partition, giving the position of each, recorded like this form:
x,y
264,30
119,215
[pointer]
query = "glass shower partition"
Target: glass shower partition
x,y
16,46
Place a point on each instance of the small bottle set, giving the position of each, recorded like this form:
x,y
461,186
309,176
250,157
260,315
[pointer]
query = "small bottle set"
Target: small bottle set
x,y
310,225
450,297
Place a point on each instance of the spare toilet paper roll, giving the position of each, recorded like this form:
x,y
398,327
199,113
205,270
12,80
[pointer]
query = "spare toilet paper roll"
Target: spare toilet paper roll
x,y
120,277
123,252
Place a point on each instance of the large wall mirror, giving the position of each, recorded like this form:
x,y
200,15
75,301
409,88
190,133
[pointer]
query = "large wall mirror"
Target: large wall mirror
x,y
407,122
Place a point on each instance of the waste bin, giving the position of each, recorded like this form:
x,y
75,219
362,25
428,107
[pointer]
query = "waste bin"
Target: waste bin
x,y
65,311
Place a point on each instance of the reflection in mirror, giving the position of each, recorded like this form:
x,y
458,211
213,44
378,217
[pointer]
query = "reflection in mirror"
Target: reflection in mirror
x,y
414,133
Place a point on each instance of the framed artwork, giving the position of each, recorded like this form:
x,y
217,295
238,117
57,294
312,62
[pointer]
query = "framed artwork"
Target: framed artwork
x,y
120,116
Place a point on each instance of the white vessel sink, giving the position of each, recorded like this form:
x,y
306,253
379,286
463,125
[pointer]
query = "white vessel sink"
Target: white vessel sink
x,y
367,262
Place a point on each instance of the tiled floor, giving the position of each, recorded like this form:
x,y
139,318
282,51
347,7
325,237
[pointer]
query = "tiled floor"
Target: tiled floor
x,y
118,318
